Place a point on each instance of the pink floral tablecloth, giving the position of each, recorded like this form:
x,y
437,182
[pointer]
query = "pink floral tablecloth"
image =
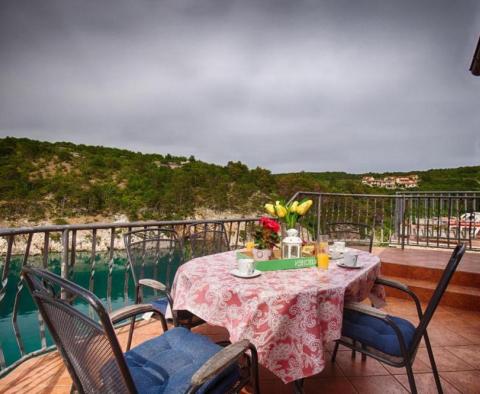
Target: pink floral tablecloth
x,y
288,315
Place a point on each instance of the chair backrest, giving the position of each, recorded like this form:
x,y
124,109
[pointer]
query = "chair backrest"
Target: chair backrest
x,y
355,235
154,254
207,238
89,348
450,269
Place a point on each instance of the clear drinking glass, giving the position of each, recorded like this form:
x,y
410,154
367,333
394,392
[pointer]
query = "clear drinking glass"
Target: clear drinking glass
x,y
321,252
249,244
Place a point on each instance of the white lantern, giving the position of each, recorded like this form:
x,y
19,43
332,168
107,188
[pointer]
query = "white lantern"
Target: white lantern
x,y
292,245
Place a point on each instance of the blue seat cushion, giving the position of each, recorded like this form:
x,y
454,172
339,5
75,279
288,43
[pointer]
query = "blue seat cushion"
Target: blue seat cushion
x,y
376,333
167,363
161,304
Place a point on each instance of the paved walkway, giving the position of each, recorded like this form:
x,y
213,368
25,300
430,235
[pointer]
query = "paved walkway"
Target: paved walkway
x,y
454,333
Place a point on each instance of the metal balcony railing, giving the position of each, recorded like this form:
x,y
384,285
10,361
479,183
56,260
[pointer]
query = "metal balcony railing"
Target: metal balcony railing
x,y
93,254
425,219
89,254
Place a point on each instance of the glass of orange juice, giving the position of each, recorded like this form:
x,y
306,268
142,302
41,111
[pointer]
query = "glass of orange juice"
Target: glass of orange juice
x,y
321,253
249,245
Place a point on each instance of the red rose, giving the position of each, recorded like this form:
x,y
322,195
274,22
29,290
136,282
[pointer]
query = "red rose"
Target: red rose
x,y
270,224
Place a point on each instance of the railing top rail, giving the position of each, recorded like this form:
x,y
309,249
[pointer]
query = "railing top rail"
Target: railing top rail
x,y
437,192
105,226
396,195
343,194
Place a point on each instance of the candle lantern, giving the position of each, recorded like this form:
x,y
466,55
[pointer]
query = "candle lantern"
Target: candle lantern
x,y
291,245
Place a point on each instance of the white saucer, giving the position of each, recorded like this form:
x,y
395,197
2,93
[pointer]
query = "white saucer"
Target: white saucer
x,y
236,272
341,264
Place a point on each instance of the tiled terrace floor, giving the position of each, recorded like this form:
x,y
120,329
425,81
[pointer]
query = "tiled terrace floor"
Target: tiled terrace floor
x,y
454,333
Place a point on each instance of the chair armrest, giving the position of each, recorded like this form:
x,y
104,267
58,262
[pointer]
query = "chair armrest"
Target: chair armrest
x,y
368,310
402,287
132,311
154,284
392,283
219,362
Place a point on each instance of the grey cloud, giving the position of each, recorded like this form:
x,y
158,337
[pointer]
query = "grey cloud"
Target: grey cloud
x,y
304,85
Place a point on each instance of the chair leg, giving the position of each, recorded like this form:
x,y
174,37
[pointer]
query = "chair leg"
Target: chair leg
x,y
298,386
130,333
354,353
335,350
364,356
254,370
138,300
433,363
411,378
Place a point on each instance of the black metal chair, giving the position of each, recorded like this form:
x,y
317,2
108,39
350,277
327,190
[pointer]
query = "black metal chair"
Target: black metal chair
x,y
391,339
355,235
153,258
178,361
207,238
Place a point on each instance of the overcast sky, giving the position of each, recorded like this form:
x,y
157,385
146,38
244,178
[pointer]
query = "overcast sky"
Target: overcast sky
x,y
287,85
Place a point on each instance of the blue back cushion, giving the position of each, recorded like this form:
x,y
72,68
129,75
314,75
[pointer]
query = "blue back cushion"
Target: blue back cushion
x,y
376,333
166,363
161,304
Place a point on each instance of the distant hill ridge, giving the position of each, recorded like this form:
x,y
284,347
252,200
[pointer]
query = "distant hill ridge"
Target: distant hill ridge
x,y
57,181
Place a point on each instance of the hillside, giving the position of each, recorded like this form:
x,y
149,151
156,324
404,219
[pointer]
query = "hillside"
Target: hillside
x,y
64,182
60,181
462,178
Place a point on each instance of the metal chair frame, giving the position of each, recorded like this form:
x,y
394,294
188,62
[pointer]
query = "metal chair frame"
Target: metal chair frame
x,y
41,284
200,235
408,354
156,236
333,230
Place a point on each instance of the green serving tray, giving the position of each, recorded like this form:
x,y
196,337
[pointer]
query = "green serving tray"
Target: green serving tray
x,y
281,264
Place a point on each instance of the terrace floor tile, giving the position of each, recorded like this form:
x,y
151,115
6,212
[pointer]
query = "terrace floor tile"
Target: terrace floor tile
x,y
378,385
356,367
469,354
467,382
453,335
445,360
425,383
337,385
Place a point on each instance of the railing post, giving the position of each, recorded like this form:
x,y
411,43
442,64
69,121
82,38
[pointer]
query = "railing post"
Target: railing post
x,y
397,222
403,221
319,213
64,261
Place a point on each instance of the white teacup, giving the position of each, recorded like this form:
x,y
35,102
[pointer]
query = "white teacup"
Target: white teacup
x,y
350,259
339,246
246,266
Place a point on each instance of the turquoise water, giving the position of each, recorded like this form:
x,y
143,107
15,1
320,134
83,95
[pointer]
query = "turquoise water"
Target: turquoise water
x,y
27,312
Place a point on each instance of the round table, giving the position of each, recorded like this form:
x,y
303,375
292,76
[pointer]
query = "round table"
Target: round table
x,y
288,315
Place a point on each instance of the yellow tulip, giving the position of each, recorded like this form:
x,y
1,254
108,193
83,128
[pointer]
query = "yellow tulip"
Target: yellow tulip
x,y
270,209
280,210
293,207
304,207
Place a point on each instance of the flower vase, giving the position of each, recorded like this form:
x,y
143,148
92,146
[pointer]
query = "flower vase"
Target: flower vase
x,y
262,254
284,229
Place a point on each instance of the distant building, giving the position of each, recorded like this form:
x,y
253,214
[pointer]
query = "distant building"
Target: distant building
x,y
390,182
366,180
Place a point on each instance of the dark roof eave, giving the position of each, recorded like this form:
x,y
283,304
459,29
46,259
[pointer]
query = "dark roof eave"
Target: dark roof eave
x,y
475,66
